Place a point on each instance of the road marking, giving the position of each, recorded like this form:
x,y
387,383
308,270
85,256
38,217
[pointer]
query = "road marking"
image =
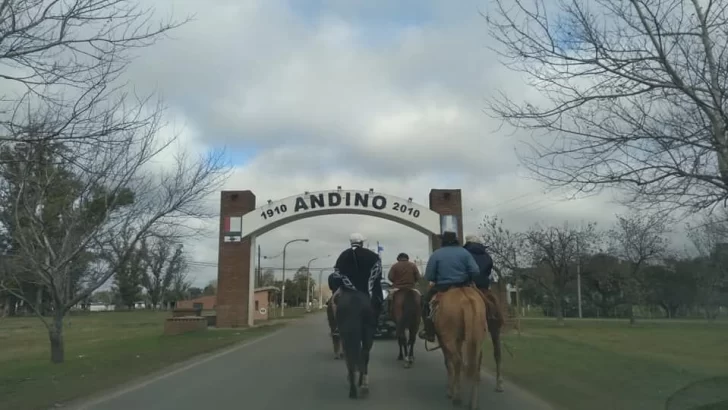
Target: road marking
x,y
175,371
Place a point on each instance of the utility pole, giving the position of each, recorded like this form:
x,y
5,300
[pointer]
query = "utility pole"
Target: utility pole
x,y
260,275
578,271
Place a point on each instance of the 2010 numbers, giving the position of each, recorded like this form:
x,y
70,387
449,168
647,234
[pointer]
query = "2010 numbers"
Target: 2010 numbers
x,y
406,210
271,212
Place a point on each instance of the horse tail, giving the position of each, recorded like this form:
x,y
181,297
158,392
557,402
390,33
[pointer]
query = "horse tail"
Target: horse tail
x,y
410,307
473,325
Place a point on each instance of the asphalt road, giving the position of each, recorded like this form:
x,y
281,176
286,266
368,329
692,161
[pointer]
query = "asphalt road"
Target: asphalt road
x,y
294,369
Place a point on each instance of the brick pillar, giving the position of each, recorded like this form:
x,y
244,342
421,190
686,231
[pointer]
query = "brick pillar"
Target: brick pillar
x,y
233,264
447,202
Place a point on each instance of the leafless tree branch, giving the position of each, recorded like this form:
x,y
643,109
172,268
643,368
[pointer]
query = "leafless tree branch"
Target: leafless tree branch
x,y
632,96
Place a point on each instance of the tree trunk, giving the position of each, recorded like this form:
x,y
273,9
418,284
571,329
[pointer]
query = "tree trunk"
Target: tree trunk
x,y
630,312
558,311
55,334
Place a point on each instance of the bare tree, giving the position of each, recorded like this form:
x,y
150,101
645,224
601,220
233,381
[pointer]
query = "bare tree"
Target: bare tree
x,y
507,248
72,43
73,204
710,238
632,95
637,239
164,260
555,252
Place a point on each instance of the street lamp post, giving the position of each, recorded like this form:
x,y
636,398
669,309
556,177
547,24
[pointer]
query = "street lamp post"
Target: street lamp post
x,y
283,285
308,282
321,290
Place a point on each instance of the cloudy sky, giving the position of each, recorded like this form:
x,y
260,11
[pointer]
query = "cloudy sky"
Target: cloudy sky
x,y
309,95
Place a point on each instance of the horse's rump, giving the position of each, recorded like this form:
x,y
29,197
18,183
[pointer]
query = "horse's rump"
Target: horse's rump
x,y
461,320
406,305
494,311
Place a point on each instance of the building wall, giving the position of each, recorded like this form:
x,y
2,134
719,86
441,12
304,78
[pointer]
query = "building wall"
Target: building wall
x,y
261,302
207,302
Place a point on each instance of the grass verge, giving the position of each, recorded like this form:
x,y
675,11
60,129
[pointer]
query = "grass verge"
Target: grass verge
x,y
103,350
600,365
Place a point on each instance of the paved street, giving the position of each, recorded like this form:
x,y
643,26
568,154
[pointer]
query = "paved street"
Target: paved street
x,y
294,369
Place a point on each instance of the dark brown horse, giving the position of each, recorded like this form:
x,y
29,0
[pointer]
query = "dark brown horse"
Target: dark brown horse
x,y
495,321
407,314
356,321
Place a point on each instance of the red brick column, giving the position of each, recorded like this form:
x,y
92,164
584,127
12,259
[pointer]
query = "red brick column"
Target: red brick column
x,y
233,264
447,202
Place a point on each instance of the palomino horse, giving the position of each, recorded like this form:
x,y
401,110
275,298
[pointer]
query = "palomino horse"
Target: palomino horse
x,y
356,321
459,318
495,322
335,338
407,313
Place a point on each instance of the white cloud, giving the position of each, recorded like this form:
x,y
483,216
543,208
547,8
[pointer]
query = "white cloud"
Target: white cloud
x,y
350,95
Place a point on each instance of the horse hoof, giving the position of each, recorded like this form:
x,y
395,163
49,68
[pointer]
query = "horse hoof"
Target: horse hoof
x,y
364,391
499,389
407,365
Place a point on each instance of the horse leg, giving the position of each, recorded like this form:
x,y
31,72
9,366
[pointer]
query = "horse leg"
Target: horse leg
x,y
352,367
495,337
366,346
448,366
457,369
411,344
475,381
337,347
401,341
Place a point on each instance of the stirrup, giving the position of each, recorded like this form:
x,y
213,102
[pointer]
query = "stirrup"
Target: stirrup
x,y
424,336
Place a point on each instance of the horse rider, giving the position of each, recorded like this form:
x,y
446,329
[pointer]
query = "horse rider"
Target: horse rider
x,y
474,245
403,274
450,266
359,269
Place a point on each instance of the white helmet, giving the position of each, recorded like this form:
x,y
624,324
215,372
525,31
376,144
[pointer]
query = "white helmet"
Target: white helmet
x,y
356,239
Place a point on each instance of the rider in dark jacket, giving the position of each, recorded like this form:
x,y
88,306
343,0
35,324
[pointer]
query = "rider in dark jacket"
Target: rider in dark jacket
x,y
474,245
359,269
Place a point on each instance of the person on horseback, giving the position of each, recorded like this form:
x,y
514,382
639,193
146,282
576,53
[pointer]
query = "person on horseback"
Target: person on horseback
x,y
358,269
403,274
448,267
474,245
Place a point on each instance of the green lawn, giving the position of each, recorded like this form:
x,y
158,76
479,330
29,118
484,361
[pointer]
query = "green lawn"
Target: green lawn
x,y
102,351
604,364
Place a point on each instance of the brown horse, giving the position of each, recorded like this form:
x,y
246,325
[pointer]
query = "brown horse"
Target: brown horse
x,y
335,338
495,322
407,313
459,318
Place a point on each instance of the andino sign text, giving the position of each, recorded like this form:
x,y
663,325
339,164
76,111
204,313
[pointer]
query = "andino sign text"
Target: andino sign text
x,y
331,200
310,204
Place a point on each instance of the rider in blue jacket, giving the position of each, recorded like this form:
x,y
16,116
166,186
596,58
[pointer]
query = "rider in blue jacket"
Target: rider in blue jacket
x,y
449,266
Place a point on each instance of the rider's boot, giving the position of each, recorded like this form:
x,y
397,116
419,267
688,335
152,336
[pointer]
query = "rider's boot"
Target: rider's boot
x,y
428,333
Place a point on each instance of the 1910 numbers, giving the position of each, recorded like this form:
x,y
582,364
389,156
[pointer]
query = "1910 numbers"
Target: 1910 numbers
x,y
269,213
406,210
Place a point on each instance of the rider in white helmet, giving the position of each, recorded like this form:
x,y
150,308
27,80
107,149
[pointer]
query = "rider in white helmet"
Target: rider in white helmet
x,y
360,269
